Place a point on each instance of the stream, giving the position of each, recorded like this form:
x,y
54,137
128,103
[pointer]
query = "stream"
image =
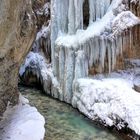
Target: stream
x,y
64,122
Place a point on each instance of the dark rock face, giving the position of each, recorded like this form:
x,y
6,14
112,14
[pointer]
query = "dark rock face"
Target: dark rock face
x,y
17,31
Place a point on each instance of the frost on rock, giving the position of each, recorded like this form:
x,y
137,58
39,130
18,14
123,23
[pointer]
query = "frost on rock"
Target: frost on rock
x,y
22,122
111,101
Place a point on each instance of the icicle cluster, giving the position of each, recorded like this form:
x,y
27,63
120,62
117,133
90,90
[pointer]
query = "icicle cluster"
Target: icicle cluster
x,y
76,51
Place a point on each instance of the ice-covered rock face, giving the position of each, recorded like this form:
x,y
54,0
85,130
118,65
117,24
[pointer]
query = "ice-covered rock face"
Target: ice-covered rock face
x,y
104,44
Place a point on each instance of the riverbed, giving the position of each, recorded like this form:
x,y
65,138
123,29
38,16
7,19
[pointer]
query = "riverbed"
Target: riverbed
x,y
64,122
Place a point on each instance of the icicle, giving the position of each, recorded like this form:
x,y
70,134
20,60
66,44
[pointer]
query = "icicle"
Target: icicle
x,y
61,69
107,4
103,51
94,51
91,59
109,56
97,49
62,18
102,8
98,10
81,65
69,74
71,17
130,38
113,50
92,11
78,14
54,32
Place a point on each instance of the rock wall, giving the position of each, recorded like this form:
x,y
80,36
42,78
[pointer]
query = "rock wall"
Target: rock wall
x,y
17,31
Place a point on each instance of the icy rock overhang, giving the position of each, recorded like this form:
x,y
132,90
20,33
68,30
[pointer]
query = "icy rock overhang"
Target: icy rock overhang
x,y
36,64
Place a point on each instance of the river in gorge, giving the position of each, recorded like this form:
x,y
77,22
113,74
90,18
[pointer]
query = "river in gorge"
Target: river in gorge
x,y
62,121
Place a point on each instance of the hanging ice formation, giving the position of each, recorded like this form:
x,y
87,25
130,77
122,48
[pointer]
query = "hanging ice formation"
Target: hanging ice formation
x,y
76,51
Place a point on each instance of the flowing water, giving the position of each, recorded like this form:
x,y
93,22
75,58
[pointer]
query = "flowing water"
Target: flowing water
x,y
62,121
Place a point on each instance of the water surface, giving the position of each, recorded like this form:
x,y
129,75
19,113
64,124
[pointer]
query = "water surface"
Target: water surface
x,y
62,121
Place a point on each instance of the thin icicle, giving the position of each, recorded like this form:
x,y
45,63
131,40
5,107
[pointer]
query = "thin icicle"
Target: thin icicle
x,y
103,51
113,50
98,12
109,56
71,17
92,11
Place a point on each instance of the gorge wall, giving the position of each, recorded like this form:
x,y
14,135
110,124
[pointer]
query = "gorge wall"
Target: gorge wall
x,y
17,31
84,38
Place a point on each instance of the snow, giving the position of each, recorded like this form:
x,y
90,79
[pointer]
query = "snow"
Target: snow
x,y
22,122
32,61
123,21
134,63
44,10
44,32
112,101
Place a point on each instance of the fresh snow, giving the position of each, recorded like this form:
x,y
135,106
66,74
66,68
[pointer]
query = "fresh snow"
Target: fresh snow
x,y
110,100
33,61
22,122
44,32
123,21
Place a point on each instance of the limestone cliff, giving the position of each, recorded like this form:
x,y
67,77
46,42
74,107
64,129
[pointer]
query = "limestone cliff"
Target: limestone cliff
x,y
17,31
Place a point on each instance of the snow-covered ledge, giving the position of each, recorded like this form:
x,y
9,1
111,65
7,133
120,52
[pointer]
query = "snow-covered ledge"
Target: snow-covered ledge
x,y
111,101
22,122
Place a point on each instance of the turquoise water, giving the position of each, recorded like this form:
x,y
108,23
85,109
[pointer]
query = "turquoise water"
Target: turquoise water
x,y
62,121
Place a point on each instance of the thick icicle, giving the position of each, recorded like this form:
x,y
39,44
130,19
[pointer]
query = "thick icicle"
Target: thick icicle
x,y
78,14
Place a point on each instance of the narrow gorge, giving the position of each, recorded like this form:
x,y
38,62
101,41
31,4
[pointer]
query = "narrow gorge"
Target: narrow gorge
x,y
82,53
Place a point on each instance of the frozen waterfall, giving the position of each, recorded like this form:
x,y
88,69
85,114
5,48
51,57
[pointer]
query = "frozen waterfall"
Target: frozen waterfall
x,y
78,52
